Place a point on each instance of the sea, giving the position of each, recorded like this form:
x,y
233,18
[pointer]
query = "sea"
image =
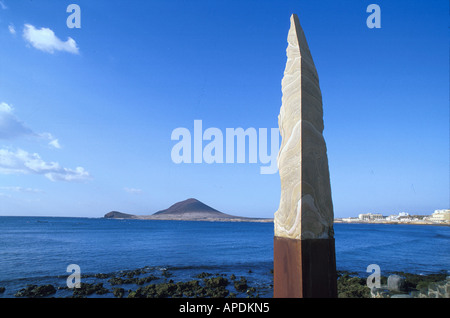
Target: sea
x,y
38,250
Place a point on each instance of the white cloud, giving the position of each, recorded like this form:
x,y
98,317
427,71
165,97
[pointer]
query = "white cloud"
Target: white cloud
x,y
11,127
55,143
133,190
3,6
22,162
11,29
5,108
21,189
45,40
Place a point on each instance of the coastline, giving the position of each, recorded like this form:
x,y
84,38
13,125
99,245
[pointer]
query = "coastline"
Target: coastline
x,y
201,219
96,277
151,282
270,220
236,219
340,221
147,282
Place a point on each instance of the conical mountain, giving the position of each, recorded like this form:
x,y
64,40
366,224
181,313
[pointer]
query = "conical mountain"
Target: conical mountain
x,y
187,210
192,206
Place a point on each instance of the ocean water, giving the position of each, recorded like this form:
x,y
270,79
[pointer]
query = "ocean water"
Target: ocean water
x,y
37,250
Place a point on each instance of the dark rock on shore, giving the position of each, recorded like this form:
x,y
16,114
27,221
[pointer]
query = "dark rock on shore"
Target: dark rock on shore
x,y
142,283
154,291
34,291
396,285
118,292
214,287
87,289
216,282
418,282
203,275
352,286
406,285
134,280
241,285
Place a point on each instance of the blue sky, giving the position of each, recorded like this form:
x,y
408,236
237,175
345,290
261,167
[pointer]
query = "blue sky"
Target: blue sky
x,y
86,115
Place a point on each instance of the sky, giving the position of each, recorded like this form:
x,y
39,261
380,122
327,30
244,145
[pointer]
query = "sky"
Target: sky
x,y
87,114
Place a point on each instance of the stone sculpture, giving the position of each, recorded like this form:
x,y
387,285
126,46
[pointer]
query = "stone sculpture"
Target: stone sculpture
x,y
304,260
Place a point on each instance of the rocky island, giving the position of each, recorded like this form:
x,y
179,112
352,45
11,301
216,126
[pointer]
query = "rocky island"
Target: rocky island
x,y
187,210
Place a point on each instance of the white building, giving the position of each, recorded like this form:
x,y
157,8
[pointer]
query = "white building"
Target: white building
x,y
440,216
370,217
392,218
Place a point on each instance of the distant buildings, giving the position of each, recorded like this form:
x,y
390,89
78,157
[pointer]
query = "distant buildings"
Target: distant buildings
x,y
402,216
438,217
370,217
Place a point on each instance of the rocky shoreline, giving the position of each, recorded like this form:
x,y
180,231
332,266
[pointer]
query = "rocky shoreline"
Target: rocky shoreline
x,y
143,283
396,285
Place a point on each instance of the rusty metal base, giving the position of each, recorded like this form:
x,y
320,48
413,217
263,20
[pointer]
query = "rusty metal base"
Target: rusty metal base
x,y
304,268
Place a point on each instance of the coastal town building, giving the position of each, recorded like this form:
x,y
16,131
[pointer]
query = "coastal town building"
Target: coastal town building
x,y
370,217
392,217
350,219
402,217
440,216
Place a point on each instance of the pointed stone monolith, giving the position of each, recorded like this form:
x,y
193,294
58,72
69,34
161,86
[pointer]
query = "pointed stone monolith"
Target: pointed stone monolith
x,y
304,250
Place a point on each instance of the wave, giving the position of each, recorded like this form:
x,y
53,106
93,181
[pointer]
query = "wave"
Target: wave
x,y
225,267
440,235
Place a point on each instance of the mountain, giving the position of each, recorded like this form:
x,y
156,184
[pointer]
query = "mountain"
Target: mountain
x,y
118,215
192,207
187,210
